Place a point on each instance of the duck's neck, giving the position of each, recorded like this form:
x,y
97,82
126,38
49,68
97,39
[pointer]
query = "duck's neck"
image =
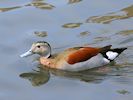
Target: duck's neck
x,y
47,54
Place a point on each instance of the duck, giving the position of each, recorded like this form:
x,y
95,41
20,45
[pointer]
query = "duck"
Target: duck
x,y
75,58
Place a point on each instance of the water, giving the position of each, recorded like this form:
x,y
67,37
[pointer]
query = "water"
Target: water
x,y
66,23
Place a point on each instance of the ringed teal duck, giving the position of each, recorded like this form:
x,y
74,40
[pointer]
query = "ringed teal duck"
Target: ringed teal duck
x,y
74,59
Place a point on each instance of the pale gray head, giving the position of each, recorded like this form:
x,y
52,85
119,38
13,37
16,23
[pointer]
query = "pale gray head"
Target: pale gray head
x,y
41,47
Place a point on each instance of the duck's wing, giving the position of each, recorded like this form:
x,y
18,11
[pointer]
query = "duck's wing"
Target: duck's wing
x,y
84,53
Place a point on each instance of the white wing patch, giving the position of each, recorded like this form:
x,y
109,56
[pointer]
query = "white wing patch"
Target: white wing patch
x,y
111,55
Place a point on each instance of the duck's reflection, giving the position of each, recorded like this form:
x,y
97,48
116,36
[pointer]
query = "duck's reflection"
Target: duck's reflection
x,y
37,78
42,75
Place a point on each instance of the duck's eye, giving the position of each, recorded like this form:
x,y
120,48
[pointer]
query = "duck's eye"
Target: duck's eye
x,y
38,46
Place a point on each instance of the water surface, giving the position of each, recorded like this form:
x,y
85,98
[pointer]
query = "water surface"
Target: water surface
x,y
64,24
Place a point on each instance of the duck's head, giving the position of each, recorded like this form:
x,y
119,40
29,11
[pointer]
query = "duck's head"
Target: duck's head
x,y
41,47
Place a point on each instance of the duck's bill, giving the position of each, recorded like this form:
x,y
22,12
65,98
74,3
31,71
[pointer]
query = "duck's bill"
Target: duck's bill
x,y
26,54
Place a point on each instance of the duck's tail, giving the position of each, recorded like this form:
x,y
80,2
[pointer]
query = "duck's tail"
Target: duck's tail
x,y
111,54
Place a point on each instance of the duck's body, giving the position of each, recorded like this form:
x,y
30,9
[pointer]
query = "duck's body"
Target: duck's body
x,y
77,58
